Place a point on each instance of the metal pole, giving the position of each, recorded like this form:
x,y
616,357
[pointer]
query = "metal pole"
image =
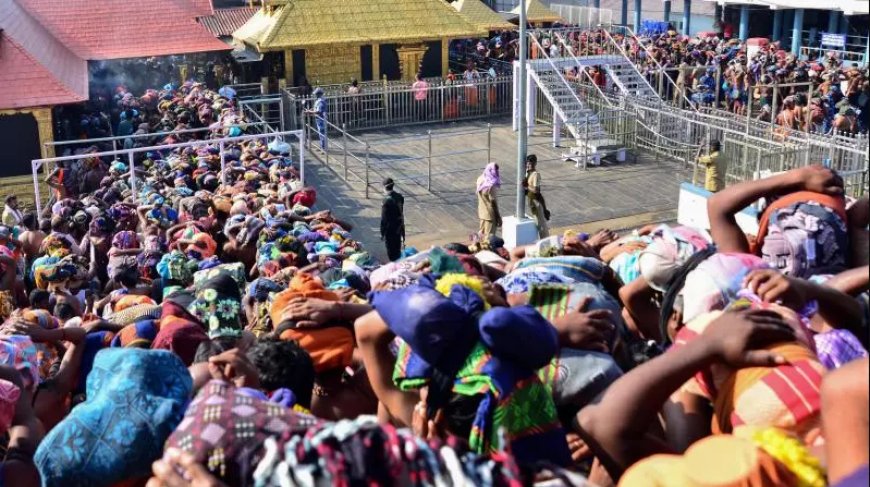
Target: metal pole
x,y
718,85
344,146
132,175
281,111
302,157
523,136
324,135
367,170
35,167
429,164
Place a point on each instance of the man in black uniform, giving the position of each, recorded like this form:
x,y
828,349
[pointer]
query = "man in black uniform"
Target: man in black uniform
x,y
393,220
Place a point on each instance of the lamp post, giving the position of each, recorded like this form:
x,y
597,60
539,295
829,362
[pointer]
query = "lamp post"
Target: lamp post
x,y
523,123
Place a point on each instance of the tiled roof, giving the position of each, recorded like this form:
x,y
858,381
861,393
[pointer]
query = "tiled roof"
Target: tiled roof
x,y
301,23
538,12
35,68
225,21
480,15
26,83
117,29
202,7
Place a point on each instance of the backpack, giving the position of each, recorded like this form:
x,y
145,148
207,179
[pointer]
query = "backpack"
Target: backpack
x,y
804,234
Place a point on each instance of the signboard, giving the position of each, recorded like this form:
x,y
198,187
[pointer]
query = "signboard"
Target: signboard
x,y
833,40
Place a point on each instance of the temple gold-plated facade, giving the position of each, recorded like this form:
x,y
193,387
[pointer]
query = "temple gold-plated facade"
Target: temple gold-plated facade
x,y
335,41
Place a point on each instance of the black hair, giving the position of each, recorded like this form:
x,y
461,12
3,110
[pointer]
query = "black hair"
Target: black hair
x,y
45,225
532,158
64,311
459,413
128,276
458,248
283,363
29,220
215,346
715,145
675,285
39,296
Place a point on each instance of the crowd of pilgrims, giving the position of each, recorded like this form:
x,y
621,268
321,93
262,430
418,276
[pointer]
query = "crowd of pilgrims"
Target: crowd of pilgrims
x,y
217,328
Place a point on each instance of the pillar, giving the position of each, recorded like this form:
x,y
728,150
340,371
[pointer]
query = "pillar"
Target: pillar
x,y
717,15
787,20
596,4
46,131
687,17
531,101
796,27
288,67
777,26
376,62
445,56
623,20
744,22
833,21
667,13
844,24
638,6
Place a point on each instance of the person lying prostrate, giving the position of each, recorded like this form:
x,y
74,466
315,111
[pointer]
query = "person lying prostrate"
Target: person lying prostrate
x,y
802,232
617,429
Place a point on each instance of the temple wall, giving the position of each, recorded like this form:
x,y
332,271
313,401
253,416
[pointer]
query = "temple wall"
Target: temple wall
x,y
332,64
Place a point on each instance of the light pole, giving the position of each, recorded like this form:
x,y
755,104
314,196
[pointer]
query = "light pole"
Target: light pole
x,y
524,124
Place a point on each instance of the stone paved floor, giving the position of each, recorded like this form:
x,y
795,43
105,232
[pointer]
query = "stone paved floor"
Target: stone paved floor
x,y
612,194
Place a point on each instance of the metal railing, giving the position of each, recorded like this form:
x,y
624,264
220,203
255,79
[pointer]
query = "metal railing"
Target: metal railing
x,y
386,106
636,60
297,153
149,138
245,90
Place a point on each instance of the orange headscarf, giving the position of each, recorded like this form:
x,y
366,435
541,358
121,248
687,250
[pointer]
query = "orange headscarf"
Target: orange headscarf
x,y
329,347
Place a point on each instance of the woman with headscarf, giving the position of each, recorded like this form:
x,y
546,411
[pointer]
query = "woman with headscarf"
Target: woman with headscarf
x,y
487,202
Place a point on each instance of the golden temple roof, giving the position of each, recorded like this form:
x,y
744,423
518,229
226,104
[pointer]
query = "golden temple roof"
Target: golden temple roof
x,y
480,15
287,24
538,12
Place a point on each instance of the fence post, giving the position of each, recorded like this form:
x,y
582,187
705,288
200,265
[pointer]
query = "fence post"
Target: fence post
x,y
718,86
325,135
488,143
344,146
441,90
367,170
586,142
132,176
429,164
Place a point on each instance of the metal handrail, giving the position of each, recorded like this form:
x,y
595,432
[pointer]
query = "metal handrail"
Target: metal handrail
x,y
630,62
585,73
117,138
561,77
657,63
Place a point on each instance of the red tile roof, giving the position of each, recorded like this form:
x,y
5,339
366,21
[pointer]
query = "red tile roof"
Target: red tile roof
x,y
118,29
35,68
202,7
225,21
26,83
